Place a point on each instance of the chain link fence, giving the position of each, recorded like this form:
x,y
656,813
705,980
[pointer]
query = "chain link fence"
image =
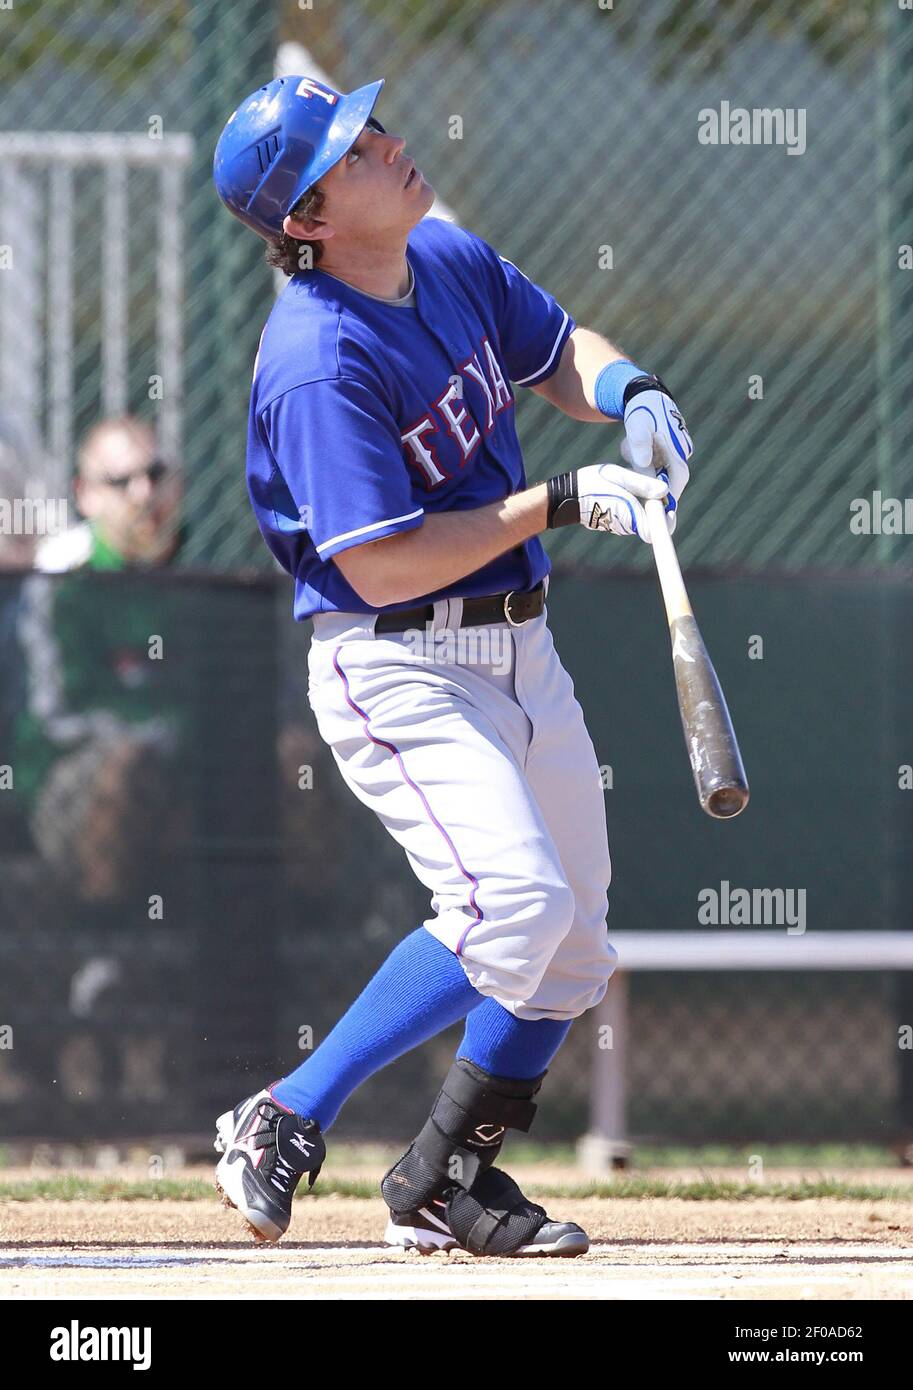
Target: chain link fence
x,y
190,898
127,288
593,144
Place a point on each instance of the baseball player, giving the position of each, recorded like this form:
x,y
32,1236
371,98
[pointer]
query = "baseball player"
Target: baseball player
x,y
386,476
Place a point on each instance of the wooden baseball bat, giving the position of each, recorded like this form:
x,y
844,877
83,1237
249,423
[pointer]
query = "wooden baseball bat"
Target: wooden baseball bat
x,y
719,775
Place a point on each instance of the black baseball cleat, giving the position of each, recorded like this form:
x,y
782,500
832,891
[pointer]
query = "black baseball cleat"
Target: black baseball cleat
x,y
427,1229
265,1150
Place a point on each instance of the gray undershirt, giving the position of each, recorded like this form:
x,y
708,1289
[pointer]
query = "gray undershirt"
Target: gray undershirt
x,y
406,301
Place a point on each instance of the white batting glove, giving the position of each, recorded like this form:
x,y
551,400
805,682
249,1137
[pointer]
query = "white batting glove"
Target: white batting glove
x,y
676,475
656,437
605,497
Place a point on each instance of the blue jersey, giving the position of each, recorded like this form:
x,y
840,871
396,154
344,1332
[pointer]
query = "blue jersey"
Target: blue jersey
x,y
367,416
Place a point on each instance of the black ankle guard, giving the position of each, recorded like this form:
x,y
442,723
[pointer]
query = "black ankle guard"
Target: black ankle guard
x,y
465,1130
452,1158
463,1135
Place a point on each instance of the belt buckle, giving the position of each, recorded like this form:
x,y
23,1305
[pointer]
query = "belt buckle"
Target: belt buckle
x,y
507,599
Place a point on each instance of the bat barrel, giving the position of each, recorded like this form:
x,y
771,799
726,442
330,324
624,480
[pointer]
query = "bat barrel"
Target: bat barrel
x,y
713,751
719,775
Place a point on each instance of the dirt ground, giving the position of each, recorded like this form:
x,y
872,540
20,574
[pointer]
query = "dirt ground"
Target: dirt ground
x,y
648,1248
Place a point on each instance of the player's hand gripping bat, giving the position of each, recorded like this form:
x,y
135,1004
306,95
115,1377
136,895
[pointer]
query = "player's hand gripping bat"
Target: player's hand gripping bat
x,y
722,787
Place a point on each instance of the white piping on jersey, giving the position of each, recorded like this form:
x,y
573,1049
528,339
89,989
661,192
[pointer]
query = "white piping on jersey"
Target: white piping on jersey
x,y
551,358
375,526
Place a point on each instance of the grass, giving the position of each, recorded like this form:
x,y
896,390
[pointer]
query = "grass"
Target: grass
x,y
647,1155
774,1155
707,1189
639,1181
74,1187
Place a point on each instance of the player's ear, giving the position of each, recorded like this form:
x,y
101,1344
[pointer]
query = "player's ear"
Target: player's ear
x,y
307,228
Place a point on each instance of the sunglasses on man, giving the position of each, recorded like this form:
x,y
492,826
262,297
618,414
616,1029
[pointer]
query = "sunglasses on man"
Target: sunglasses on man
x,y
155,471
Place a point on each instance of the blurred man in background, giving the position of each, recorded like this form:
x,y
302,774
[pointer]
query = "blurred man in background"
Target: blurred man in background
x,y
94,745
130,498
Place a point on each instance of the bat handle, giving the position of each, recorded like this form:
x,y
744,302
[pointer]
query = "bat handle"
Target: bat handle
x,y
675,595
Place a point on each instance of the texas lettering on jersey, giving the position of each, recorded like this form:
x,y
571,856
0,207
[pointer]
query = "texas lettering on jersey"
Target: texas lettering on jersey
x,y
449,413
367,416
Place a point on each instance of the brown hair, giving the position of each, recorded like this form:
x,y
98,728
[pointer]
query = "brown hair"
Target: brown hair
x,y
287,253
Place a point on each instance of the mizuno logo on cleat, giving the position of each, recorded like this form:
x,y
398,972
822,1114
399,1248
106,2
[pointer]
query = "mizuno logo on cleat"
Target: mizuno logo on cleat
x,y
303,1145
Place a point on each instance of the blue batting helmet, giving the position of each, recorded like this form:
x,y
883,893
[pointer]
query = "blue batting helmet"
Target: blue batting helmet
x,y
280,141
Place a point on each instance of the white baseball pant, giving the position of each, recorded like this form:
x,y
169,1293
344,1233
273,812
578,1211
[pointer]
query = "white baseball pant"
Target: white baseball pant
x,y
471,748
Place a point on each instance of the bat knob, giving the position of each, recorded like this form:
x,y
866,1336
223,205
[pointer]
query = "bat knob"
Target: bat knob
x,y
726,802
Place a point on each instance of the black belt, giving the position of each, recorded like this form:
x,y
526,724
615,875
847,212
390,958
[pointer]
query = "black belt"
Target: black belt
x,y
515,608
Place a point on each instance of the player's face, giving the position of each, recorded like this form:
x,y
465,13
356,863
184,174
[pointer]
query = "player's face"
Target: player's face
x,y
374,188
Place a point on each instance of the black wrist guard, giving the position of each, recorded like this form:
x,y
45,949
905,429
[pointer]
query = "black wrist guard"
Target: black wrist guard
x,y
563,506
644,383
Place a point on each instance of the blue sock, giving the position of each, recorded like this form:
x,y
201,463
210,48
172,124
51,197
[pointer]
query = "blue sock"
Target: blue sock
x,y
420,989
519,1048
